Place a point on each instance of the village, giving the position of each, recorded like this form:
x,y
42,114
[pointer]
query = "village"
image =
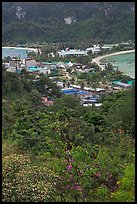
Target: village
x,y
87,81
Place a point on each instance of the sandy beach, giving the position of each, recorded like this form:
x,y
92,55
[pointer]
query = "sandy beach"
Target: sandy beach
x,y
97,59
23,48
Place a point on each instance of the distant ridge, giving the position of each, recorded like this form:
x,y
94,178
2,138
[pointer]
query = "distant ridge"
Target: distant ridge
x,y
68,21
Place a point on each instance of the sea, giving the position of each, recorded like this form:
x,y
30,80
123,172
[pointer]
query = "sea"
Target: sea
x,y
14,52
124,62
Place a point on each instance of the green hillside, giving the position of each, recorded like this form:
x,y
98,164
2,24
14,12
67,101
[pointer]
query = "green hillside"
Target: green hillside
x,y
68,21
65,152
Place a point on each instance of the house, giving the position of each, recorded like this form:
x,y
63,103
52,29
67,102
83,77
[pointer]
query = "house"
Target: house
x,y
46,101
76,87
100,89
14,62
90,104
44,70
30,62
51,54
88,89
59,84
69,64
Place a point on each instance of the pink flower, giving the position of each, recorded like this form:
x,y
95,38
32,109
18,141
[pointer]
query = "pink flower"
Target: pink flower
x,y
68,186
77,187
67,152
69,167
97,174
71,160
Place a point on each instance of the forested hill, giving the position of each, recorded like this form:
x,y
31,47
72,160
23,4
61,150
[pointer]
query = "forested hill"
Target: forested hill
x,y
68,21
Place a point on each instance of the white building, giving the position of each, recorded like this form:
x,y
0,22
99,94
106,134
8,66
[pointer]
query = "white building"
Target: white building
x,y
94,49
44,70
72,52
109,46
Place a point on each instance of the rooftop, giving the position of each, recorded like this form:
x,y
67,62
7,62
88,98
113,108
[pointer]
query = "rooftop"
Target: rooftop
x,y
72,52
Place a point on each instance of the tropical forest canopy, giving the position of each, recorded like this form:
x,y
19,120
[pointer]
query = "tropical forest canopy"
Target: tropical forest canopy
x,y
68,21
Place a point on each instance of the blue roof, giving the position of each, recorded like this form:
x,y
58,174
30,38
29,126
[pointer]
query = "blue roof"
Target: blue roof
x,y
93,100
70,90
82,92
74,91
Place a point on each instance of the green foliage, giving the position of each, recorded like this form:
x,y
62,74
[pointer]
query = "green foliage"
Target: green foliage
x,y
25,182
66,152
99,21
101,194
71,102
126,186
123,113
46,87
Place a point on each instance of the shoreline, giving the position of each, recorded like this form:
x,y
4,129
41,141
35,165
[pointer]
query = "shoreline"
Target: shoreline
x,y
23,48
97,59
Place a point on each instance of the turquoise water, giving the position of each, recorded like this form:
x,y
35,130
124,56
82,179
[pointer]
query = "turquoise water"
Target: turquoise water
x,y
125,62
12,52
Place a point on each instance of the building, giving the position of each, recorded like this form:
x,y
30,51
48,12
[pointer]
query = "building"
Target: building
x,y
109,46
94,49
121,84
46,101
15,62
44,70
72,52
97,105
30,62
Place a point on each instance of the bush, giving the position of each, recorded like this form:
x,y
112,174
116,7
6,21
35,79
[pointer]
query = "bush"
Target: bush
x,y
25,182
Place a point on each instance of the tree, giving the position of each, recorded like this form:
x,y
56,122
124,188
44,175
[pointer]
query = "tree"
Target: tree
x,y
122,115
46,87
6,59
126,192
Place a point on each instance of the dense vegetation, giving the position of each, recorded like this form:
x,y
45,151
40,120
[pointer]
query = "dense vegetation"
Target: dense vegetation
x,y
68,22
65,152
